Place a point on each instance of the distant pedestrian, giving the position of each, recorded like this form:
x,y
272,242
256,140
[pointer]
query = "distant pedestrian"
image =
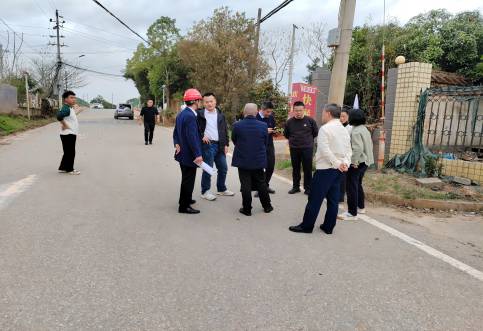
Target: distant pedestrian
x,y
344,119
362,158
266,115
300,130
214,129
332,159
68,134
150,115
250,157
187,142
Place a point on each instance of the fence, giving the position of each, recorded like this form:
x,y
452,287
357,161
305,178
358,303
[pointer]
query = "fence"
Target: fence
x,y
454,120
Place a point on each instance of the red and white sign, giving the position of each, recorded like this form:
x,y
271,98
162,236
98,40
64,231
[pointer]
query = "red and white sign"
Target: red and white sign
x,y
307,94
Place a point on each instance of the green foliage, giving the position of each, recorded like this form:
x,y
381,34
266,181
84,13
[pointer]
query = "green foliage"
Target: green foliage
x,y
106,104
452,43
82,102
10,124
152,67
267,91
283,164
433,166
311,67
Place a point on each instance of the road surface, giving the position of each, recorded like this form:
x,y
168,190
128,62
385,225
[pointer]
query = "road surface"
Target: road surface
x,y
108,250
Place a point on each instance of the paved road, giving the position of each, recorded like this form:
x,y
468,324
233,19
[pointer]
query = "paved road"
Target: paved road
x,y
107,250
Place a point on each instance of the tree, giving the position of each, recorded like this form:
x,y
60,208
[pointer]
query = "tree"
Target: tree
x,y
276,51
106,104
218,53
159,64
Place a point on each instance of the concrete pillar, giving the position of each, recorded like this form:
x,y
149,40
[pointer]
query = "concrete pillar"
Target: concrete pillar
x,y
321,79
411,78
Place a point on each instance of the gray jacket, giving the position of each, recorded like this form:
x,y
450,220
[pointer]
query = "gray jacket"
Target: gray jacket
x,y
361,141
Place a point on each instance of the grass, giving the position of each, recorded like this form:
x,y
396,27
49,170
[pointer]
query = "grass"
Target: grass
x,y
405,187
10,124
283,164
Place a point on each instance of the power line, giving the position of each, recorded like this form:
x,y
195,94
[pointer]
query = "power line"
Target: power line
x,y
120,21
93,71
275,10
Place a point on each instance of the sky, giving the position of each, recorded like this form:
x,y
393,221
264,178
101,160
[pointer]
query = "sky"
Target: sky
x,y
106,44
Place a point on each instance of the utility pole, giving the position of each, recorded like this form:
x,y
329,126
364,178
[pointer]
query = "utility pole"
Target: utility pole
x,y
290,68
253,73
59,59
341,59
27,99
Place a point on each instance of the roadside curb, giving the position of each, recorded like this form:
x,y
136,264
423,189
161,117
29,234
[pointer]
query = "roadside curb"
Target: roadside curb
x,y
445,205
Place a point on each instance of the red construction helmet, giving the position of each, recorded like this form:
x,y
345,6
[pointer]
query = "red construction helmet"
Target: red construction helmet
x,y
192,95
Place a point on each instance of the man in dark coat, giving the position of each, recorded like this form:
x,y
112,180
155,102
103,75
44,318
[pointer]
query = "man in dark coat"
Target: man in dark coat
x,y
266,115
250,157
150,116
187,141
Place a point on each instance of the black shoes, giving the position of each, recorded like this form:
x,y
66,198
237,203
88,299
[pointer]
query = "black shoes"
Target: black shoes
x,y
150,142
192,202
145,143
188,210
294,190
268,209
271,191
245,212
324,230
299,229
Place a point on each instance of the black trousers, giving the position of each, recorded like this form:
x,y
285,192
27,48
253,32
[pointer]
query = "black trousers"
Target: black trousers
x,y
148,131
68,145
355,191
253,180
301,156
270,163
188,177
343,184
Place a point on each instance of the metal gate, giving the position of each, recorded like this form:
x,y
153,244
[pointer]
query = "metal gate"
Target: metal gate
x,y
454,120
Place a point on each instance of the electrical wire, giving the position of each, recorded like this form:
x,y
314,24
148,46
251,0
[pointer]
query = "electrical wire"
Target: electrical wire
x,y
275,10
92,71
120,21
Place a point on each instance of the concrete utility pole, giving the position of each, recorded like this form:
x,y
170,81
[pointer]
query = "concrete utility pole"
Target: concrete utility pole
x,y
341,59
253,73
59,59
27,99
290,68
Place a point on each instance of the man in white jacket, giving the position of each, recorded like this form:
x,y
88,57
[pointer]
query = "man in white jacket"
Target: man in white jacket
x,y
332,158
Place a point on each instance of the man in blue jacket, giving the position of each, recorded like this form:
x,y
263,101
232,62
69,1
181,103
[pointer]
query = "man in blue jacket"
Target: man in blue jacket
x,y
250,157
187,141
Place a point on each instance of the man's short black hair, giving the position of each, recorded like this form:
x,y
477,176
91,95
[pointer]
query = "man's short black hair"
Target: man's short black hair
x,y
267,105
345,110
298,104
333,109
67,94
357,117
209,94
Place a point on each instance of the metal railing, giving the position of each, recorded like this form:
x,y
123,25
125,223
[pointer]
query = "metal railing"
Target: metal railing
x,y
454,120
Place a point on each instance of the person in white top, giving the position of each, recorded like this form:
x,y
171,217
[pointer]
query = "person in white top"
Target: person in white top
x,y
332,158
68,133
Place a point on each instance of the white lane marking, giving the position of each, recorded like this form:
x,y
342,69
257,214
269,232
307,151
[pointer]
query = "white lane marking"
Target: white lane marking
x,y
425,248
15,189
410,240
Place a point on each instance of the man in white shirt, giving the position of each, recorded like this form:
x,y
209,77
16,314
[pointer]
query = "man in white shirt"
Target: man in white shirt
x,y
68,134
332,158
213,126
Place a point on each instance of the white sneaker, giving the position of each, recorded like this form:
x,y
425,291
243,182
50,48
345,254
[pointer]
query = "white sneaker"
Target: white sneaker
x,y
361,211
347,216
208,196
62,171
226,193
74,172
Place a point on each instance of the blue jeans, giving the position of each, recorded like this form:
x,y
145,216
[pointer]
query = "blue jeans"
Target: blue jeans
x,y
213,154
325,185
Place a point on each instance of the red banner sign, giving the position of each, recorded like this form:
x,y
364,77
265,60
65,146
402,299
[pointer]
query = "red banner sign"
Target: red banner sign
x,y
307,94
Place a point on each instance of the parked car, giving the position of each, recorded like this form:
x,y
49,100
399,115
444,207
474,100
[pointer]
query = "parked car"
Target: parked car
x,y
124,110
